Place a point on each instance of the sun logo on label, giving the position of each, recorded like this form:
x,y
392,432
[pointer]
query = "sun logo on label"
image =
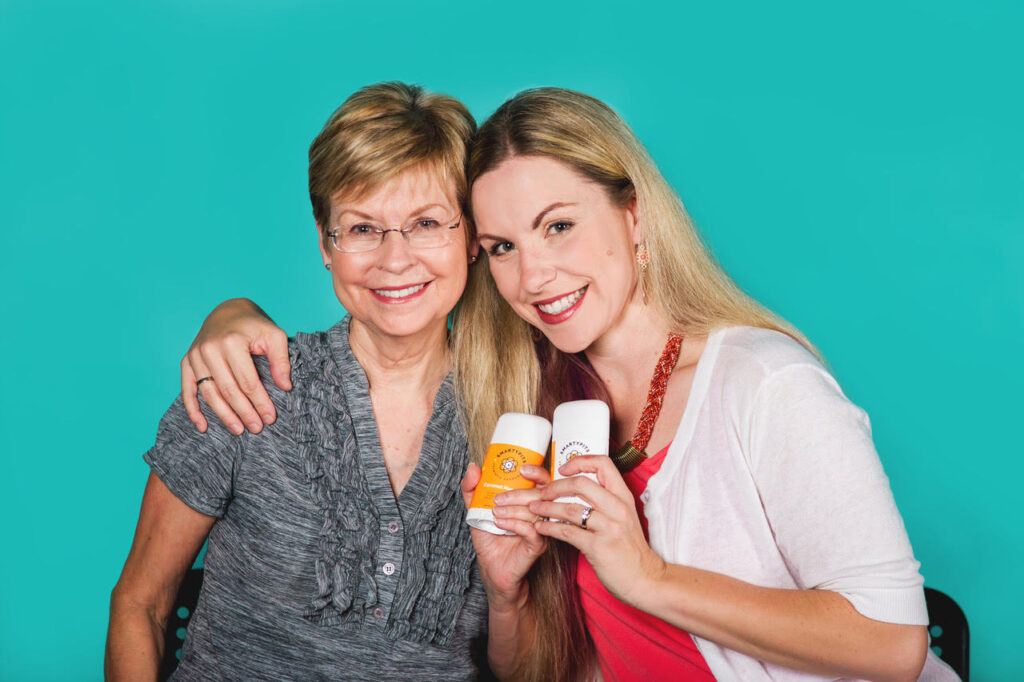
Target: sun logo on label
x,y
506,464
571,451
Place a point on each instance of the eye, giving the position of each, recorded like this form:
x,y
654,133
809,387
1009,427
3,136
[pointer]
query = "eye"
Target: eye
x,y
426,224
361,229
499,249
560,226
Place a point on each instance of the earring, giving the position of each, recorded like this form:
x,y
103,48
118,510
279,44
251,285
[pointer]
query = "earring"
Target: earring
x,y
328,266
473,259
642,256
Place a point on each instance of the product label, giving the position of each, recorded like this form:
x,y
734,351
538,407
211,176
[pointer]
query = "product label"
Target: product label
x,y
501,472
563,454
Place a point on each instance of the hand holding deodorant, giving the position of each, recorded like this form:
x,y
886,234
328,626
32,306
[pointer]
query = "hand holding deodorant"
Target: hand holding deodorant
x,y
518,439
578,428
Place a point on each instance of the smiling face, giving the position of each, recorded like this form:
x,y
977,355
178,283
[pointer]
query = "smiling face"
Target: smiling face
x,y
396,290
561,253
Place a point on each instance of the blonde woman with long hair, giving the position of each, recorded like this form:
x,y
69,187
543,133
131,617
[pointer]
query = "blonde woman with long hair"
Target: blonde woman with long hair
x,y
744,528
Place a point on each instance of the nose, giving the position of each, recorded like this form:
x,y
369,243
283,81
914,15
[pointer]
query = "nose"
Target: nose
x,y
535,272
394,254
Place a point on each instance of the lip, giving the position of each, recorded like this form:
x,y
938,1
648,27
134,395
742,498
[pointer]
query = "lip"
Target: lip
x,y
390,300
558,318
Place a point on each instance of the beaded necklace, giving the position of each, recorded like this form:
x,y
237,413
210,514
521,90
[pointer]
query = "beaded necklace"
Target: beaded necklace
x,y
632,453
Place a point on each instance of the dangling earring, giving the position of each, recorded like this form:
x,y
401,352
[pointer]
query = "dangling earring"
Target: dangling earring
x,y
642,257
328,266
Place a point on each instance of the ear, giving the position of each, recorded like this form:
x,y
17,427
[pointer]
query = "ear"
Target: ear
x,y
633,212
324,254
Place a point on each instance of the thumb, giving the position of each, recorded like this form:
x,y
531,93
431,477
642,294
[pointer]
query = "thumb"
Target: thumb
x,y
469,482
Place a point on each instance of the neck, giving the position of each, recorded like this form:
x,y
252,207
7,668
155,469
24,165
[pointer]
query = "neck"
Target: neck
x,y
407,363
624,358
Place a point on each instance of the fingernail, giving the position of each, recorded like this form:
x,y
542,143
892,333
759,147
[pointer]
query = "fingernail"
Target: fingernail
x,y
255,426
237,429
268,418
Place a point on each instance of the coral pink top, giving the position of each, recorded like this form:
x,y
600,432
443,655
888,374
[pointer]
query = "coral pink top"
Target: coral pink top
x,y
631,644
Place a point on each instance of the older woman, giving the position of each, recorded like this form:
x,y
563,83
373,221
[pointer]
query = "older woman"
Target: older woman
x,y
337,548
744,530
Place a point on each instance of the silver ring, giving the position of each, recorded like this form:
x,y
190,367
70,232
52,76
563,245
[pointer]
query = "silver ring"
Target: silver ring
x,y
202,380
584,516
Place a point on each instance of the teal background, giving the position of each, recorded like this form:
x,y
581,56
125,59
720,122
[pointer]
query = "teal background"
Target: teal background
x,y
859,168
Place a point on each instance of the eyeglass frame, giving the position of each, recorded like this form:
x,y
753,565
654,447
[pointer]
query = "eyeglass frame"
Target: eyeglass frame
x,y
404,231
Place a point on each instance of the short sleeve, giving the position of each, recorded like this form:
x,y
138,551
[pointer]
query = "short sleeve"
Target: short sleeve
x,y
197,467
827,498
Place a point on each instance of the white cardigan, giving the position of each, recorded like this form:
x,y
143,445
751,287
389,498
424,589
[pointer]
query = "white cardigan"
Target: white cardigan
x,y
773,478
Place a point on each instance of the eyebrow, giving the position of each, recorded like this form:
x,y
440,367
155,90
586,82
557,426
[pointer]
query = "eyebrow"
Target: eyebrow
x,y
552,207
415,211
537,220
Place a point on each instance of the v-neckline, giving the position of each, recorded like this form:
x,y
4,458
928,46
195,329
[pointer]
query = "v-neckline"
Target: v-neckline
x,y
356,389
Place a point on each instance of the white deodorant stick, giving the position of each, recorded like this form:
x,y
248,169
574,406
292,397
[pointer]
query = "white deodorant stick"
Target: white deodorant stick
x,y
578,428
518,439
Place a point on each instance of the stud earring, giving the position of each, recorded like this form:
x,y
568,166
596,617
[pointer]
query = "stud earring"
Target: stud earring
x,y
328,266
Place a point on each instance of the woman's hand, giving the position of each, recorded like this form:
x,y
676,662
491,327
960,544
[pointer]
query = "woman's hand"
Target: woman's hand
x,y
613,540
504,560
222,350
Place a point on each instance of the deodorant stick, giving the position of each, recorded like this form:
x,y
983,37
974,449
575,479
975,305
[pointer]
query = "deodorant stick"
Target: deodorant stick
x,y
518,439
578,428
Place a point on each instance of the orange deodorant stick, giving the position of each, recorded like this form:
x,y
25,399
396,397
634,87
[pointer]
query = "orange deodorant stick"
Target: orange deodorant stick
x,y
518,439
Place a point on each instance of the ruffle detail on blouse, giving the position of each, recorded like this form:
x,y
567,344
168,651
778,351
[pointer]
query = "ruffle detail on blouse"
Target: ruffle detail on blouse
x,y
438,554
327,448
438,547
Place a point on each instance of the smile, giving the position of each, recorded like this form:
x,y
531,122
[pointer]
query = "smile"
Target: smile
x,y
561,308
397,295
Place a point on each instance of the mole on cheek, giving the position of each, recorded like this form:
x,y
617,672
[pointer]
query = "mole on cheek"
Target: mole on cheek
x,y
608,252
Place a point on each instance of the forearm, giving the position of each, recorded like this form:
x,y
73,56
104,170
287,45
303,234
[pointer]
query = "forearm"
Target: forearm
x,y
811,630
135,641
511,628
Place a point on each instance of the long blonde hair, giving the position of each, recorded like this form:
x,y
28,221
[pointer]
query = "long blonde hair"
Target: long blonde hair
x,y
502,364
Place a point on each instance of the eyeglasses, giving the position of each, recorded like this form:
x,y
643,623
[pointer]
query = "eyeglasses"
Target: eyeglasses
x,y
422,233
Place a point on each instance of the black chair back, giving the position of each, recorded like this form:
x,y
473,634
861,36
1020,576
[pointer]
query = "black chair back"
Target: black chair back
x,y
947,625
174,636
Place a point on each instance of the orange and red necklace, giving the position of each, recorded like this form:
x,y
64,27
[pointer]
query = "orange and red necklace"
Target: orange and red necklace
x,y
632,453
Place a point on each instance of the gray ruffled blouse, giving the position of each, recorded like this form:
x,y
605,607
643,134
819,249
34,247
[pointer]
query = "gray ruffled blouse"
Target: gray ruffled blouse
x,y
314,570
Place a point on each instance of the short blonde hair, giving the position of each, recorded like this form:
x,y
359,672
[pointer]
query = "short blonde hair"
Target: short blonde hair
x,y
381,131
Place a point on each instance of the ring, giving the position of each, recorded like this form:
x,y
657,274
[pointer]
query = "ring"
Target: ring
x,y
202,380
584,516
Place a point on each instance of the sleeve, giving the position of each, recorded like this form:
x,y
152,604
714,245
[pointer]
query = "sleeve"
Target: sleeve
x,y
199,468
827,499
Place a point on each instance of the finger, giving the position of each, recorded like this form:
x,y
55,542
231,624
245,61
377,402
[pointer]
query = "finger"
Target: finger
x,y
228,387
581,486
280,364
211,394
566,532
469,482
568,512
539,475
244,370
600,465
520,497
524,529
190,396
519,513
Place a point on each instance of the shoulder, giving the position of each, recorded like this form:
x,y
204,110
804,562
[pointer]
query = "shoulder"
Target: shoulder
x,y
765,351
316,372
751,365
